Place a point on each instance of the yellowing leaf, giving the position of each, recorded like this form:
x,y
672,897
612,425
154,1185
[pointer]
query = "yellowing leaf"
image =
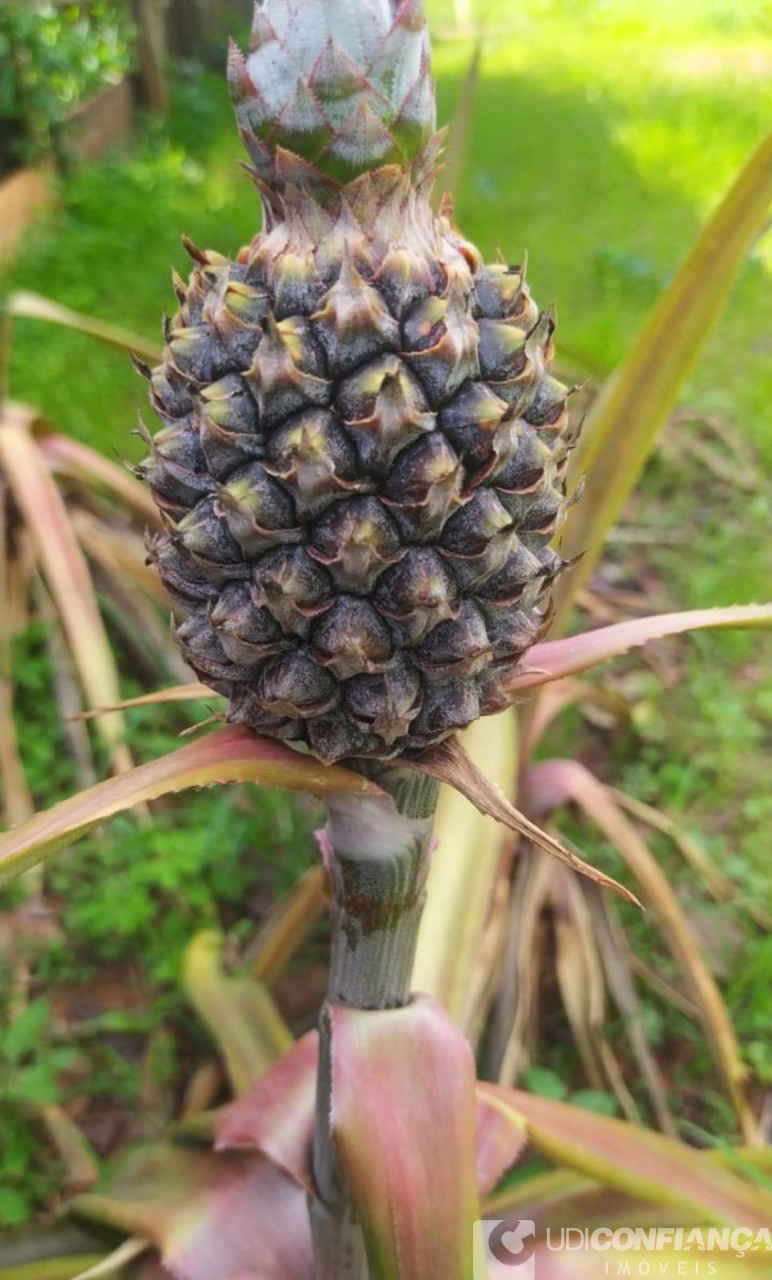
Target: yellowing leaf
x,y
238,1010
635,1160
622,425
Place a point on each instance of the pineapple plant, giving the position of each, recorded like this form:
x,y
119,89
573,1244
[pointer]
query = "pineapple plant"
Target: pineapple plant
x,y
362,461
361,467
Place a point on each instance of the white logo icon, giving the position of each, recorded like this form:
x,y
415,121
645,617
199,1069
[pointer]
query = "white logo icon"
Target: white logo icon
x,y
508,1242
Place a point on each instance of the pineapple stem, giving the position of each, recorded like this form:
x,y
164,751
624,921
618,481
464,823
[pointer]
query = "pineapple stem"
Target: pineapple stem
x,y
377,854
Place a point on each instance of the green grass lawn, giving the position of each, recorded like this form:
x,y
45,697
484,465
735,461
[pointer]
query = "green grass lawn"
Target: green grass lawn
x,y
603,135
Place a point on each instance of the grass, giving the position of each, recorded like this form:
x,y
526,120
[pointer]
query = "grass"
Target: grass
x,y
109,1029
603,135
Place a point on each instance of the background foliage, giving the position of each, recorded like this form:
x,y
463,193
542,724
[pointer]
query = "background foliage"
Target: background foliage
x,y
52,56
624,125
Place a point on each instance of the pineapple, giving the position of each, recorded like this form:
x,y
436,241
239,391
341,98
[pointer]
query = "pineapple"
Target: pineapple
x,y
361,464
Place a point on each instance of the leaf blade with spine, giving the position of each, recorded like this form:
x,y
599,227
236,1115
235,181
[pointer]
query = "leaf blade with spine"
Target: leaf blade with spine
x,y
572,655
225,756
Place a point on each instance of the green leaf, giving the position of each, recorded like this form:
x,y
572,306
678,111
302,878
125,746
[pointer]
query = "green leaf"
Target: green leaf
x,y
64,1268
26,1032
598,1100
36,1083
622,425
545,1082
14,1207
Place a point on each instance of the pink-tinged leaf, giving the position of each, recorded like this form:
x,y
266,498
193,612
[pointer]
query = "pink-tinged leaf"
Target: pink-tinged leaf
x,y
556,659
239,1012
449,763
558,782
70,458
402,1119
213,1217
35,307
637,1161
227,755
276,1116
500,1142
66,572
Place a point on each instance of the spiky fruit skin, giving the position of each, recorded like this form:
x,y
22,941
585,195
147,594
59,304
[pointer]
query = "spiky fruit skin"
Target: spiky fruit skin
x,y
361,465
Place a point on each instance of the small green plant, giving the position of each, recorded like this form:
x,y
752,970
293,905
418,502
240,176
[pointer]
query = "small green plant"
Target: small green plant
x,y
31,1069
52,55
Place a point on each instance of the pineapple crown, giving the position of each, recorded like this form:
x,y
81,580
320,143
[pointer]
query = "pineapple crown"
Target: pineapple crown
x,y
343,84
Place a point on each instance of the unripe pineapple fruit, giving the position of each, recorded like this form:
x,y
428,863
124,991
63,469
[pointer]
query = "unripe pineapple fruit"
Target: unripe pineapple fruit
x,y
363,452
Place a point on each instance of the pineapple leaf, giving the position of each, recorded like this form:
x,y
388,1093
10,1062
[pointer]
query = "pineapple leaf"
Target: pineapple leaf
x,y
192,692
622,426
204,1212
450,763
225,756
76,461
634,1160
462,876
238,1010
33,306
557,782
276,1116
460,128
17,803
66,572
556,659
416,1210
